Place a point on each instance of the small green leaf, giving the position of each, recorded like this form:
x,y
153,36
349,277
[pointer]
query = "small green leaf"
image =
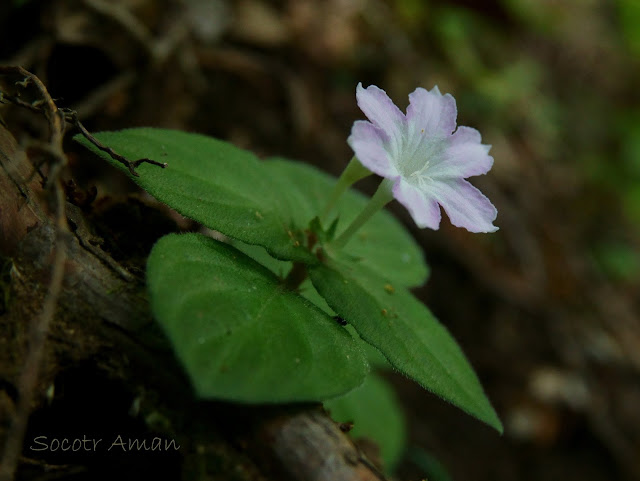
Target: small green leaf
x,y
376,414
404,330
213,182
239,333
382,244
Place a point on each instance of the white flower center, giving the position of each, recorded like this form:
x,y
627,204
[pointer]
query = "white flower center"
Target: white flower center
x,y
418,154
419,176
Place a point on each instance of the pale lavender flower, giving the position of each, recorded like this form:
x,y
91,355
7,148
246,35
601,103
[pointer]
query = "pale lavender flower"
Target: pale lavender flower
x,y
423,156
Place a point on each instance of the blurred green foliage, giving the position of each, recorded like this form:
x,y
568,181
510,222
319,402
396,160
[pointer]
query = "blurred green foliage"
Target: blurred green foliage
x,y
629,14
429,464
553,86
618,261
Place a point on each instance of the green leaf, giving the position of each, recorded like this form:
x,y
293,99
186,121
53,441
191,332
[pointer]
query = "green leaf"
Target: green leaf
x,y
404,330
239,333
629,16
213,182
375,358
376,414
261,256
383,245
309,292
433,469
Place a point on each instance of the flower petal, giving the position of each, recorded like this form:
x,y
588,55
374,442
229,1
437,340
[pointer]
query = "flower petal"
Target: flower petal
x,y
382,112
465,205
424,211
368,142
463,157
432,112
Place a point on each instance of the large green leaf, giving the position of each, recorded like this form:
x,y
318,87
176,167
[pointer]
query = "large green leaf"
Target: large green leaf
x,y
382,244
404,330
239,333
375,414
212,182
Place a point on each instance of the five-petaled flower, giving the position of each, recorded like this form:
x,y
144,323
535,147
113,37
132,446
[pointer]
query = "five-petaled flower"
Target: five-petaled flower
x,y
424,158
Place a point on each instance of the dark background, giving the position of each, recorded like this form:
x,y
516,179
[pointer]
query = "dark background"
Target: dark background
x,y
547,308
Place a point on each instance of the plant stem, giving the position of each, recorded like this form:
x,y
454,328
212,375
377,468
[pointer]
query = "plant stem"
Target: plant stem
x,y
296,276
382,197
353,172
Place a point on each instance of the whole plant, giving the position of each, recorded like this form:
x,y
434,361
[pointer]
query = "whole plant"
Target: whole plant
x,y
307,285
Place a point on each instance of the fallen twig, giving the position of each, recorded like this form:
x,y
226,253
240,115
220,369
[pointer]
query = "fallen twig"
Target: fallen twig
x,y
40,327
131,165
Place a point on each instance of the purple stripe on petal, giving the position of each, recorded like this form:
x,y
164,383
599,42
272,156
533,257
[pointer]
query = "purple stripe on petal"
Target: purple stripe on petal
x,y
465,205
380,110
432,112
425,211
463,157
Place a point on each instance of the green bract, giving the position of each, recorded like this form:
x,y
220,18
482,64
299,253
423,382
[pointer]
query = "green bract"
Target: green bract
x,y
241,331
